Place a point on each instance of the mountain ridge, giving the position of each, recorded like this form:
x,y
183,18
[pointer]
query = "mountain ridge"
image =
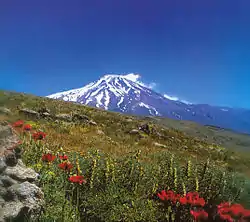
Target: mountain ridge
x,y
122,93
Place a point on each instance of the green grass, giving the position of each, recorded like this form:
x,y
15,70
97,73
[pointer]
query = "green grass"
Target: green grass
x,y
136,177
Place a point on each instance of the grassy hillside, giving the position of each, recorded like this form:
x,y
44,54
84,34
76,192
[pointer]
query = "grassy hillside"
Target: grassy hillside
x,y
184,141
183,138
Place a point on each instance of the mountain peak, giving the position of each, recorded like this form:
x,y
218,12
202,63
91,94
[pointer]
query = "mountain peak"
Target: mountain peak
x,y
124,93
131,76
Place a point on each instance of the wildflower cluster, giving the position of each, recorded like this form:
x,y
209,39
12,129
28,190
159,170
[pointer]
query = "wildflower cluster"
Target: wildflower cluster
x,y
118,189
20,124
233,212
225,211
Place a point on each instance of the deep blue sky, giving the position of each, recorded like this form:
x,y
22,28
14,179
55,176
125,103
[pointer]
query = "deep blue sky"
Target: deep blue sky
x,y
194,50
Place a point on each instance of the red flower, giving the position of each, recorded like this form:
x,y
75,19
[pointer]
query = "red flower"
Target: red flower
x,y
200,214
246,214
199,202
226,217
237,210
176,198
18,123
39,135
63,157
193,199
65,166
224,210
183,200
48,157
169,195
27,127
77,179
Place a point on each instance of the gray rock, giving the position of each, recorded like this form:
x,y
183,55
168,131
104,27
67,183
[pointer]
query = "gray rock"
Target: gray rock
x,y
29,113
81,118
134,132
44,110
2,164
100,132
129,120
45,115
12,210
64,117
145,128
7,181
7,138
21,173
4,110
10,158
28,202
160,145
26,191
92,123
3,191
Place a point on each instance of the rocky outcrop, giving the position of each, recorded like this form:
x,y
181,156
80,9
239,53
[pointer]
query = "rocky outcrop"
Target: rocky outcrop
x,y
4,110
20,198
28,113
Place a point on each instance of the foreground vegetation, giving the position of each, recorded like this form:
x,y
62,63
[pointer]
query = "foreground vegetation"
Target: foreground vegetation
x,y
96,187
103,173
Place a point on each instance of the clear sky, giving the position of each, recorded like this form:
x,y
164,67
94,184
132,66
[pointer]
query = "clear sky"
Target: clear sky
x,y
196,50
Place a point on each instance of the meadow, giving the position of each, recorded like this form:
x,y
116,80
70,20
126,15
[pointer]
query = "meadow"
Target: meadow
x,y
102,172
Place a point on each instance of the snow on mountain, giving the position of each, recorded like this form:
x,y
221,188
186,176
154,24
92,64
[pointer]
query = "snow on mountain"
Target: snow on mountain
x,y
126,94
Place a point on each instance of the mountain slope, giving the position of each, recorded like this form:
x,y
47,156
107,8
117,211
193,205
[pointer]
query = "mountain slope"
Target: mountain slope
x,y
121,93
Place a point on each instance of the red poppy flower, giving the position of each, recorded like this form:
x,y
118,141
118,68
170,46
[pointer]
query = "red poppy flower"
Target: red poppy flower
x,y
246,214
224,210
77,179
193,199
198,202
176,198
237,210
183,200
169,195
200,214
48,157
39,135
65,166
226,217
18,123
223,205
27,127
63,157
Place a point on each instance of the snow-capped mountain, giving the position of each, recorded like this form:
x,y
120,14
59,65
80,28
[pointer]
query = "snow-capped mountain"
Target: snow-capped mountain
x,y
123,93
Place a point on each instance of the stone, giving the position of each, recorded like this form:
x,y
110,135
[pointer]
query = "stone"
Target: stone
x,y
92,123
3,191
4,110
7,138
2,164
64,117
29,113
81,118
21,173
100,132
20,200
25,191
129,120
27,202
134,132
10,158
160,145
11,210
44,110
145,128
45,115
7,181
